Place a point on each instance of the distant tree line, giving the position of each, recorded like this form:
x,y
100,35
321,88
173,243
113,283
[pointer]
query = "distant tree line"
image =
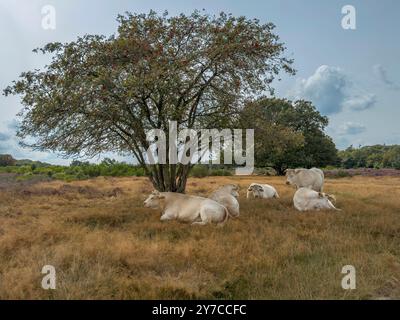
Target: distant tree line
x,y
7,160
287,135
377,156
77,170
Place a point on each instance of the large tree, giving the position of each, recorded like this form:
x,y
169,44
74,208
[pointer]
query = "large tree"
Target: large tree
x,y
288,134
102,93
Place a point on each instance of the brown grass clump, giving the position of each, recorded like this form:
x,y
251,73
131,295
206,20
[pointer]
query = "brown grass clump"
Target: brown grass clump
x,y
105,245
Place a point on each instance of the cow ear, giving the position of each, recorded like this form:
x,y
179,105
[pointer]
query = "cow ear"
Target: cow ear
x,y
161,196
155,192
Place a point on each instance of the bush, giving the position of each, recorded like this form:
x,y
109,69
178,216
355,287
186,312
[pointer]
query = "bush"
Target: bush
x,y
87,171
7,169
23,169
65,177
220,172
25,176
339,174
329,168
265,171
199,171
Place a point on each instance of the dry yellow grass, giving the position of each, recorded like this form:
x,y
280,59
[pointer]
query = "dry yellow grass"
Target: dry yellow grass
x,y
109,247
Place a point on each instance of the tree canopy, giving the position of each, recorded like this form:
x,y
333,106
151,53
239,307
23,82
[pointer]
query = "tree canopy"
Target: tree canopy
x,y
288,135
377,156
102,93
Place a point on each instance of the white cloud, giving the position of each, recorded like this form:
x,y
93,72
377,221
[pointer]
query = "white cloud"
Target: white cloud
x,y
351,128
381,73
359,103
325,88
331,91
9,145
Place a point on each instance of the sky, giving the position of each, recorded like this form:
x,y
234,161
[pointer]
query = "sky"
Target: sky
x,y
351,75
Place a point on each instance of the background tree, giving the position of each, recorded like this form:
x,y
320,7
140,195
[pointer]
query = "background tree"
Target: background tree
x,y
288,134
102,94
377,156
7,160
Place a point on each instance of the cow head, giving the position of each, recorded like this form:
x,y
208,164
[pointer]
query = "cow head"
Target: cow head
x,y
291,176
232,189
330,197
235,190
257,190
154,200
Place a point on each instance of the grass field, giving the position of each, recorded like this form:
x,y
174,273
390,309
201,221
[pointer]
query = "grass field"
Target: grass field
x,y
105,245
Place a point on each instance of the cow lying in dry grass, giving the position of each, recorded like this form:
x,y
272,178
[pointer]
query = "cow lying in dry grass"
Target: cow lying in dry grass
x,y
264,191
227,196
183,207
223,202
306,199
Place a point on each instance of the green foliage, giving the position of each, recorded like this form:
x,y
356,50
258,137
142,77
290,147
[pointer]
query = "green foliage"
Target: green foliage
x,y
201,171
27,162
220,172
102,93
265,171
76,171
341,174
25,176
288,134
377,156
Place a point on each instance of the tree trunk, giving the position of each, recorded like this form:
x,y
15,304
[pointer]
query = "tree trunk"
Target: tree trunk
x,y
166,177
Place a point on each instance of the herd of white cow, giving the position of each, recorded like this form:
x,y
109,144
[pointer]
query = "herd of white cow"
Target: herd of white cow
x,y
223,203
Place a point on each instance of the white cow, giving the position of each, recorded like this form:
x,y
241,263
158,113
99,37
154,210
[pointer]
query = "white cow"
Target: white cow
x,y
232,189
264,191
306,199
309,178
227,196
197,210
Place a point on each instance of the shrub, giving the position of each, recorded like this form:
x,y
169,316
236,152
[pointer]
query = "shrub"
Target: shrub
x,y
65,177
25,176
199,171
76,171
340,174
220,172
265,171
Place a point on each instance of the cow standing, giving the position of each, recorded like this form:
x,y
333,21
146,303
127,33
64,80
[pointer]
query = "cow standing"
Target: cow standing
x,y
309,178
